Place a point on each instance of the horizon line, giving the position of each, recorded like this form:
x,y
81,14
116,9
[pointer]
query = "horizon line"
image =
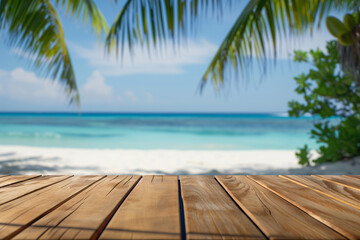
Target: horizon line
x,y
129,112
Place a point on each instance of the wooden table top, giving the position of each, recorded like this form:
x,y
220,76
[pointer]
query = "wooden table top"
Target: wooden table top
x,y
180,207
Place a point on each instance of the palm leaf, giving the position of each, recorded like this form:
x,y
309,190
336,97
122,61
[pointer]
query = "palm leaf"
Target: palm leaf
x,y
34,27
86,10
255,33
153,22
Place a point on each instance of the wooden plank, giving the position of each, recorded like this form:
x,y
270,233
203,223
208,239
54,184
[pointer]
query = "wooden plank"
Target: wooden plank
x,y
338,216
151,211
82,216
24,188
348,182
276,217
18,214
8,180
338,192
353,176
211,214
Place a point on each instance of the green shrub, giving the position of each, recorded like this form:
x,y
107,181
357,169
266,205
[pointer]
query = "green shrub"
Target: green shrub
x,y
333,96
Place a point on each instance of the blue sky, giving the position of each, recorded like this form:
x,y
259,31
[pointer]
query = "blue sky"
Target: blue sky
x,y
160,83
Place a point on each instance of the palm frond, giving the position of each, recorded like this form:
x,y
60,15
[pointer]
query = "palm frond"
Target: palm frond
x,y
86,10
256,32
34,27
148,22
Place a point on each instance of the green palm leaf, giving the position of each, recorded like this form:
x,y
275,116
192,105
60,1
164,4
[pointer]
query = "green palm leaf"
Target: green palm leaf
x,y
86,10
153,22
255,33
34,27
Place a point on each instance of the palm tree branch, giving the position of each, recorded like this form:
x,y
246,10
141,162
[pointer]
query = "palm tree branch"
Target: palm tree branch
x,y
155,22
35,28
256,32
86,10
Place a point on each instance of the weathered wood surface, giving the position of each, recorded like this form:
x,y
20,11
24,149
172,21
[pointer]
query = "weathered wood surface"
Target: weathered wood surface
x,y
83,215
276,217
150,211
347,182
353,176
20,189
210,213
341,217
339,192
203,207
8,180
22,212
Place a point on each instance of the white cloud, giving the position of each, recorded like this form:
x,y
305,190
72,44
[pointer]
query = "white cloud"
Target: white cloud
x,y
20,84
144,62
96,91
96,87
131,95
24,86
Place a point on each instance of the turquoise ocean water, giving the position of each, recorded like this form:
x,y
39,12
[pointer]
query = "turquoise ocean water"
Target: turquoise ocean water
x,y
155,131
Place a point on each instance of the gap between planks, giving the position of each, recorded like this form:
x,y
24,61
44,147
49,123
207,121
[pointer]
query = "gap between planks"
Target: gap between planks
x,y
103,226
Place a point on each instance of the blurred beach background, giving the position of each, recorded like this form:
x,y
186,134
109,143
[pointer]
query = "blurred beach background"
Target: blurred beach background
x,y
151,143
157,131
143,113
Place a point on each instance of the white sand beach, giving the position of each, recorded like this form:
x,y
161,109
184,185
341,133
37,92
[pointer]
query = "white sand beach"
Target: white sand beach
x,y
39,160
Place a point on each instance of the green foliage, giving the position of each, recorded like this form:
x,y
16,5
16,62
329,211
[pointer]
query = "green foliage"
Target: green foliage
x,y
255,34
344,31
35,28
303,155
153,23
334,96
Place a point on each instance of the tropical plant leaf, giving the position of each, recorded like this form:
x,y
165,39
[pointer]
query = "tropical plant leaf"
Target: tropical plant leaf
x,y
86,10
35,28
255,33
149,22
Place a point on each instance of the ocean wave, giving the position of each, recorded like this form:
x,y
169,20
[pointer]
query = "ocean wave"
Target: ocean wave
x,y
283,114
92,135
32,134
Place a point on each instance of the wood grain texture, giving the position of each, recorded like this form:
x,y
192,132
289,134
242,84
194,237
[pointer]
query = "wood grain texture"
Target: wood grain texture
x,y
337,215
18,214
151,211
348,182
82,216
203,236
339,192
9,180
211,214
276,217
23,188
353,176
